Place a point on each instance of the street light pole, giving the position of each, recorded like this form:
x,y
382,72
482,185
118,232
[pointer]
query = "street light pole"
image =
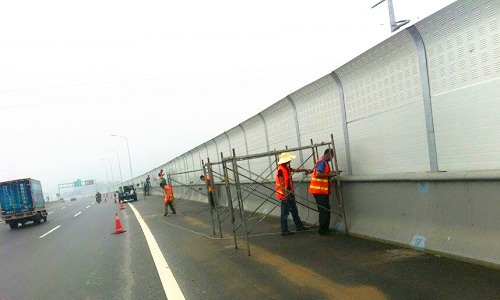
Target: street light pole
x,y
107,176
119,165
111,166
129,161
394,25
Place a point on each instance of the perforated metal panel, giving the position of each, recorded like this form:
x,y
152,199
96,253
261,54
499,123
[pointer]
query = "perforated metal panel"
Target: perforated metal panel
x,y
390,142
237,141
383,100
318,110
197,154
383,78
255,131
254,128
280,119
191,159
463,44
223,144
463,50
213,150
382,90
237,138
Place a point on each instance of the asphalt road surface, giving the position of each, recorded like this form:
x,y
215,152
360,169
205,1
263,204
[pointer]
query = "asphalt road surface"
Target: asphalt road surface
x,y
75,256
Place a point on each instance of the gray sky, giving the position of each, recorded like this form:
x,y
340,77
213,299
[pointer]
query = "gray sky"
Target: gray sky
x,y
168,75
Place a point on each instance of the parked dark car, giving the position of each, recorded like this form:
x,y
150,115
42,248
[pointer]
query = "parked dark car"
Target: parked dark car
x,y
127,193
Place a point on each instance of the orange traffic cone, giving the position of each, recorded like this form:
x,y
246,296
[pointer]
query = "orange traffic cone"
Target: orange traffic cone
x,y
118,226
122,206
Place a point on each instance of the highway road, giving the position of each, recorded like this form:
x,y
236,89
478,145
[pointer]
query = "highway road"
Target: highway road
x,y
75,256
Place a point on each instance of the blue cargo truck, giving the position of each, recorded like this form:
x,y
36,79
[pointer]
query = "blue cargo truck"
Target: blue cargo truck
x,y
22,201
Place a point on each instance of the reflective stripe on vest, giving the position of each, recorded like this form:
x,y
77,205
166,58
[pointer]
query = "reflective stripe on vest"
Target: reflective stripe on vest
x,y
169,194
288,181
209,185
320,185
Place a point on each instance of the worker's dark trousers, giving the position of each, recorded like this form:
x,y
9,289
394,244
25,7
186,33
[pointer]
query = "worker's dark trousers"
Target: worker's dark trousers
x,y
288,205
211,197
323,202
167,204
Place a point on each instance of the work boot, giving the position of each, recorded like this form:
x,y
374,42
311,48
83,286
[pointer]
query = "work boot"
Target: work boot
x,y
287,233
302,228
326,232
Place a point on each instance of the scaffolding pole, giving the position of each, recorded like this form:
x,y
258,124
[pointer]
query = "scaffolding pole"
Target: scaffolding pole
x,y
188,186
240,198
205,174
338,187
229,197
267,198
216,199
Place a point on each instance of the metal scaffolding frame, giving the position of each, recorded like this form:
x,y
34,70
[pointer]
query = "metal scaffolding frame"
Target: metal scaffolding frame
x,y
209,172
235,204
180,183
230,164
189,186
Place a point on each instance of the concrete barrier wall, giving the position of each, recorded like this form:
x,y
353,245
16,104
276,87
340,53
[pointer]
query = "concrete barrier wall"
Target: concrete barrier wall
x,y
424,103
455,218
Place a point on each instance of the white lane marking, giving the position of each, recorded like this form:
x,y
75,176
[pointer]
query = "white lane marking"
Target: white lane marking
x,y
49,212
88,206
50,231
93,202
77,214
167,278
63,207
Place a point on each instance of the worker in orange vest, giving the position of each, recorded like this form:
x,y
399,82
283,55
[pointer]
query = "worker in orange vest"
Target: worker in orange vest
x,y
168,194
209,189
320,188
285,193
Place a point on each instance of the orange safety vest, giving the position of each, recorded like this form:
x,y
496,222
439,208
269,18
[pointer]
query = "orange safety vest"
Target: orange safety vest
x,y
285,170
320,185
209,184
169,194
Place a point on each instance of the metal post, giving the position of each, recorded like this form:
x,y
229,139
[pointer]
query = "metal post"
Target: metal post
x,y
119,165
337,180
267,137
345,128
297,128
240,198
394,25
111,167
315,155
229,197
107,176
129,161
246,147
205,174
214,194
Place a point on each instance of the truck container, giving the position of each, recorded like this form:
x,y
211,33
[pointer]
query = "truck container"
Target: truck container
x,y
22,201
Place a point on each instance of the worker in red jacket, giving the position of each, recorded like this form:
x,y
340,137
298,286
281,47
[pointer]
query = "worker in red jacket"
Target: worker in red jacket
x,y
168,194
286,194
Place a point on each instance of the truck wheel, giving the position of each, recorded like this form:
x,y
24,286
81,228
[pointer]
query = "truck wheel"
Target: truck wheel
x,y
38,218
13,225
